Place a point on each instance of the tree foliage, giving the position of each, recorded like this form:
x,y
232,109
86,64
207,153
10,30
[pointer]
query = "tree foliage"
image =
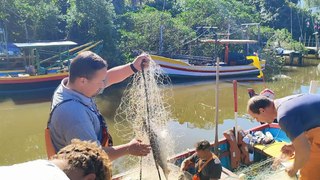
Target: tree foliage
x,y
169,27
141,31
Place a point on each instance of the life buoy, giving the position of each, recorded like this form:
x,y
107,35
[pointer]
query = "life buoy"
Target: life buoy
x,y
245,158
234,150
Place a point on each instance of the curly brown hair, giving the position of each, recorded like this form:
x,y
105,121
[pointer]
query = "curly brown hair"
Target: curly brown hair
x,y
88,157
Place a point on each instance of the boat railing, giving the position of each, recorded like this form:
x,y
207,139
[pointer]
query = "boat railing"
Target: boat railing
x,y
63,59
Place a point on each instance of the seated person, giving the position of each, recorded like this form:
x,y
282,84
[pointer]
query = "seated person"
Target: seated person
x,y
207,164
79,160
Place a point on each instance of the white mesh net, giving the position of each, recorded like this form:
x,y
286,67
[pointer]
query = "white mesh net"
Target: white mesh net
x,y
143,114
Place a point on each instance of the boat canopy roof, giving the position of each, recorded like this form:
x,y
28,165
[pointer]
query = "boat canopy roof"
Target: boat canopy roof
x,y
45,44
230,41
312,48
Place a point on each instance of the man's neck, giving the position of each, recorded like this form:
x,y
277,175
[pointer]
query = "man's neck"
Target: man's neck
x,y
74,87
208,155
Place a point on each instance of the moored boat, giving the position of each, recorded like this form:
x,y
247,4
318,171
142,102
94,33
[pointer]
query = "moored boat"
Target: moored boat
x,y
26,83
25,72
175,68
260,152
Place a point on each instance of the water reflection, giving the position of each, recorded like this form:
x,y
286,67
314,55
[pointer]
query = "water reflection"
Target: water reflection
x,y
23,118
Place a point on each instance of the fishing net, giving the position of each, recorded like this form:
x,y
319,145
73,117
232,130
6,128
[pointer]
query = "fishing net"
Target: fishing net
x,y
144,106
264,170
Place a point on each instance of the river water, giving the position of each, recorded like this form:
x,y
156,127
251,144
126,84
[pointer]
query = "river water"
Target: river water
x,y
24,117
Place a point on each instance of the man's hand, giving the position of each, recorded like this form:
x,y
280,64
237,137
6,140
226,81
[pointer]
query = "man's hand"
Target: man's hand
x,y
185,165
291,171
143,59
136,148
288,150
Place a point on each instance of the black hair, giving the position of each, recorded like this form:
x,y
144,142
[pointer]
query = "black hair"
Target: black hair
x,y
85,65
257,102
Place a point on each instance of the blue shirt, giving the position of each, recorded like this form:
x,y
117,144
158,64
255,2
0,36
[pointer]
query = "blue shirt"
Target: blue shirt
x,y
298,113
72,119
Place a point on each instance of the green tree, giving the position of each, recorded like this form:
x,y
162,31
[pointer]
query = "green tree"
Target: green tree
x,y
94,20
30,20
311,3
141,31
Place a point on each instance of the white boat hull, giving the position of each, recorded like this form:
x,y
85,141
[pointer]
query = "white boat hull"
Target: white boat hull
x,y
177,68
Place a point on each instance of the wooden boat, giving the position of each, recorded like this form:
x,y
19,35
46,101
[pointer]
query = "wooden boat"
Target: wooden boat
x,y
175,68
27,73
260,152
26,83
195,67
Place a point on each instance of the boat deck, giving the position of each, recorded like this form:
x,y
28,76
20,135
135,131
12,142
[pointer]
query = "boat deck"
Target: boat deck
x,y
271,150
227,174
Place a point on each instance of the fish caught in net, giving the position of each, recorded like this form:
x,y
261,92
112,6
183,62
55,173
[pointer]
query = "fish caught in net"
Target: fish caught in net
x,y
143,114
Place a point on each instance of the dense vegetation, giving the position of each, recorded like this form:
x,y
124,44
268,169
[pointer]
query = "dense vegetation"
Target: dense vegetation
x,y
129,26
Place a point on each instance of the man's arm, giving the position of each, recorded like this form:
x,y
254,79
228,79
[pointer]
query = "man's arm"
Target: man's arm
x,y
302,153
134,147
120,73
187,162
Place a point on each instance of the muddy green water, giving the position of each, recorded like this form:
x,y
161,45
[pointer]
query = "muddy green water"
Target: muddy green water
x,y
23,118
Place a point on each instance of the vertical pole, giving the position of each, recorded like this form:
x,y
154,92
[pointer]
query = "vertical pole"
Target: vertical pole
x,y
259,39
235,96
291,21
161,39
317,41
217,61
161,29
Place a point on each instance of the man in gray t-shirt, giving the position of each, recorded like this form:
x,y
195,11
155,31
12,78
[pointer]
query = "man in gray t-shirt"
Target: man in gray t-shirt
x,y
74,113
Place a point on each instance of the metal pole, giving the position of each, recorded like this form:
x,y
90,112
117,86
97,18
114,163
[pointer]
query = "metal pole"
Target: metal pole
x,y
259,39
291,19
161,40
217,61
161,29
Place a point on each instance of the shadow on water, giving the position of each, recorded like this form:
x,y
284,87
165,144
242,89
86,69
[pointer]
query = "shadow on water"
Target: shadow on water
x,y
28,97
183,82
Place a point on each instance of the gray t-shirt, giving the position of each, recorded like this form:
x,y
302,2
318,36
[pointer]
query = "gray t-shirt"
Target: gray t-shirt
x,y
73,119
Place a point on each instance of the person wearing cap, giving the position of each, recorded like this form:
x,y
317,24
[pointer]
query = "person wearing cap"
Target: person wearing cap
x,y
299,118
206,163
